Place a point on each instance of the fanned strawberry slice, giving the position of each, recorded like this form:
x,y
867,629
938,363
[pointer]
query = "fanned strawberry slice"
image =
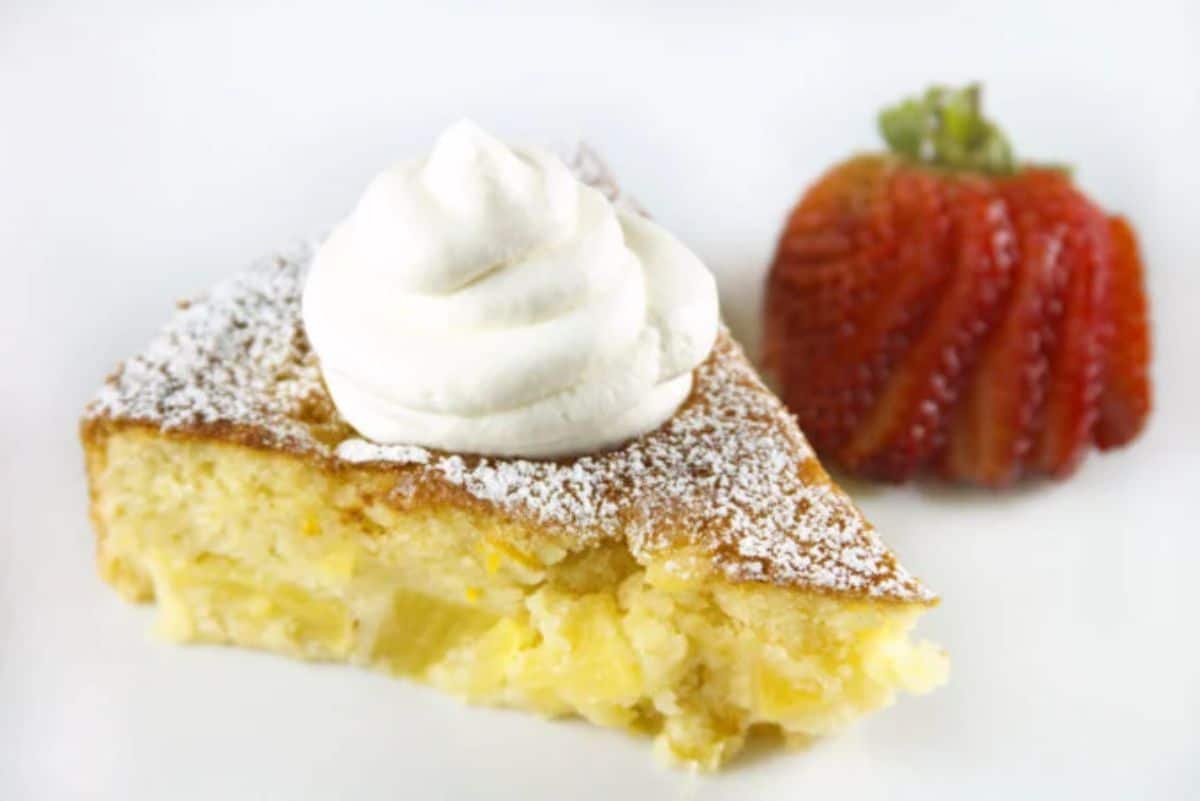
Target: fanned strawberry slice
x,y
1125,401
1075,350
992,427
895,312
907,425
833,257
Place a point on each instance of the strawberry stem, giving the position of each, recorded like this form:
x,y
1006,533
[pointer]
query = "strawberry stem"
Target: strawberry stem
x,y
946,128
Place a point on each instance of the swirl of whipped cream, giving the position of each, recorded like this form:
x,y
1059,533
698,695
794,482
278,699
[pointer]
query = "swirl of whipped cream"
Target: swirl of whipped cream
x,y
483,300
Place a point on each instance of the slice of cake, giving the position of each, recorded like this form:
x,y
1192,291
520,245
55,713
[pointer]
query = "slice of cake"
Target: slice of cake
x,y
693,582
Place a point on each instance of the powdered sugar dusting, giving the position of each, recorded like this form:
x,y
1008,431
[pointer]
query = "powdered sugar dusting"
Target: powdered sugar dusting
x,y
237,356
591,170
729,474
360,450
724,474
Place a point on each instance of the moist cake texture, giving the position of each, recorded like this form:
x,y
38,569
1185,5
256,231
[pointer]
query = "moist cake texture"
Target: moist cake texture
x,y
698,581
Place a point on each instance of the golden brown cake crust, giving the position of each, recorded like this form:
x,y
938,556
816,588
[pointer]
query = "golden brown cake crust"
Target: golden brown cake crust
x,y
729,475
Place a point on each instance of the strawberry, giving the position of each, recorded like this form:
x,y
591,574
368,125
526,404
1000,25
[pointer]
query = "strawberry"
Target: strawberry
x,y
943,306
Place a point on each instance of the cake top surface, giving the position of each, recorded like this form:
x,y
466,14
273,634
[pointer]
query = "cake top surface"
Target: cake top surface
x,y
729,475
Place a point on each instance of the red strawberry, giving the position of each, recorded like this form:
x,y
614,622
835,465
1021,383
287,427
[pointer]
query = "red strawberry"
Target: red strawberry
x,y
943,306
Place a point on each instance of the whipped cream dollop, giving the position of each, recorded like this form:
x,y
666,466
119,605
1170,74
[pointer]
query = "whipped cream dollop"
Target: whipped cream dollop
x,y
483,300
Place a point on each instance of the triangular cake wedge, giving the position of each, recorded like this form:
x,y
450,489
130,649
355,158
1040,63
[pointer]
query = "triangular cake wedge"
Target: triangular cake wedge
x,y
698,581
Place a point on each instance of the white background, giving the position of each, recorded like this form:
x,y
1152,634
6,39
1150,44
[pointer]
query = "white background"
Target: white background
x,y
145,151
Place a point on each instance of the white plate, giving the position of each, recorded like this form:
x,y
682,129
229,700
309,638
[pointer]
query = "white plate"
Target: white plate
x,y
143,154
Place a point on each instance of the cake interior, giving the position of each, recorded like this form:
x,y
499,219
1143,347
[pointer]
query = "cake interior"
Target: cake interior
x,y
269,550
